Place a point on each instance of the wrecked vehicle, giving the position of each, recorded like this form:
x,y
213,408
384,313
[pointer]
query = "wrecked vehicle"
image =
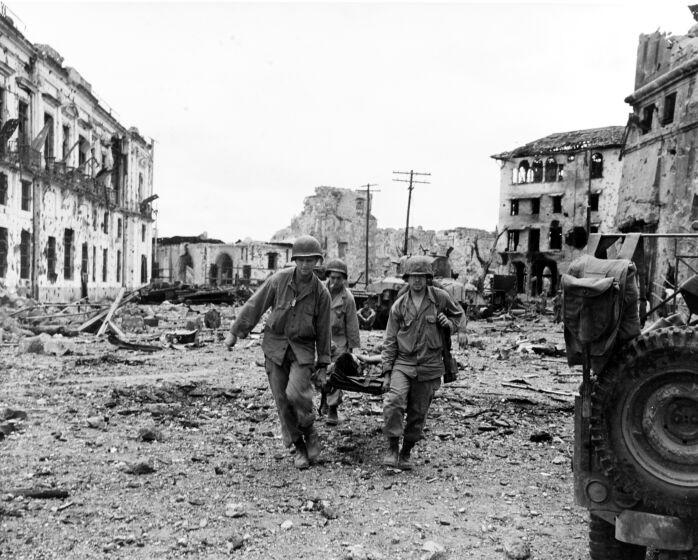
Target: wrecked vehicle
x,y
636,416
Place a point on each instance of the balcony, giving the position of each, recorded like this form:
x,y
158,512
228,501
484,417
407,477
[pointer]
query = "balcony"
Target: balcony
x,y
24,155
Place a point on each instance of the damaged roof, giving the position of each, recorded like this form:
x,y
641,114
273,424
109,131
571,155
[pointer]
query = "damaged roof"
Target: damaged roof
x,y
576,140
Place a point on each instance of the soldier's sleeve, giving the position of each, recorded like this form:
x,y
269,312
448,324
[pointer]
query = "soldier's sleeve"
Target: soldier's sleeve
x,y
352,324
389,353
452,310
323,341
254,308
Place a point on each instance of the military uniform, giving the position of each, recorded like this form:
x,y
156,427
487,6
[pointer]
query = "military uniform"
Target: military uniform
x,y
297,329
412,351
345,332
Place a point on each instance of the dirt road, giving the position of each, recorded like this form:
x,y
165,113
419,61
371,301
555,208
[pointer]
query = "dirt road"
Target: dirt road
x,y
493,474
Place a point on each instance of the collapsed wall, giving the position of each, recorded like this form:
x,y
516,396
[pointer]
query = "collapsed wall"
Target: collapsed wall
x,y
337,218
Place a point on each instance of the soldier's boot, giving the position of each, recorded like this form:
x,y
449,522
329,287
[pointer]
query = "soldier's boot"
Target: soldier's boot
x,y
332,416
300,460
312,443
390,457
405,463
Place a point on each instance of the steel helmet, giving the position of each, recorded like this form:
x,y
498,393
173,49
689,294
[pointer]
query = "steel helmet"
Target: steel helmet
x,y
306,246
417,266
336,265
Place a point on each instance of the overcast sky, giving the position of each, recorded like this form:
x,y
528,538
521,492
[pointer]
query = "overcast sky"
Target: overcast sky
x,y
252,106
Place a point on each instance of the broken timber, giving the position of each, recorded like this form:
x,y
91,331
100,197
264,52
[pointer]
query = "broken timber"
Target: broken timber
x,y
121,299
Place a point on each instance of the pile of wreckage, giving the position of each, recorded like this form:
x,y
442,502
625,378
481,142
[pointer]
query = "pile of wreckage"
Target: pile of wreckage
x,y
129,322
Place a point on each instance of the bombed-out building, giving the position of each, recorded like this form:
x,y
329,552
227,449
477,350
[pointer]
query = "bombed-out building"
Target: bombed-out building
x,y
337,219
76,185
202,261
549,189
659,183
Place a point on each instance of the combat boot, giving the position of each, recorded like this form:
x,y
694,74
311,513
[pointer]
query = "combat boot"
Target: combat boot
x,y
332,416
405,463
312,443
390,458
300,461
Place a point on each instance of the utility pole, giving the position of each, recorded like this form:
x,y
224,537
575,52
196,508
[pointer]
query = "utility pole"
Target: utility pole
x,y
368,216
411,181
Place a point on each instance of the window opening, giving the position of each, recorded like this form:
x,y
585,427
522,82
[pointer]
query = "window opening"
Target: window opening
x,y
26,195
555,235
3,252
557,205
537,168
514,209
68,236
534,240
24,255
3,189
596,165
594,202
550,170
118,266
105,259
51,259
512,240
535,206
144,269
523,171
669,108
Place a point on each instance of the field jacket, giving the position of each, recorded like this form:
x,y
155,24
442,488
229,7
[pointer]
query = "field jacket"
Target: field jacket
x,y
299,318
412,340
344,321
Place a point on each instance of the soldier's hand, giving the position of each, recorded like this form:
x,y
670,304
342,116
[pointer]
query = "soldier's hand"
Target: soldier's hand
x,y
386,381
321,378
443,321
230,340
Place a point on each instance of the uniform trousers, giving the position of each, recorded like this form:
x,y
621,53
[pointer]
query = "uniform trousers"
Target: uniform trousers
x,y
292,386
411,398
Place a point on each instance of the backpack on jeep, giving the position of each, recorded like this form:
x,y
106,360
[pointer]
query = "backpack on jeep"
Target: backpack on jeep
x,y
600,308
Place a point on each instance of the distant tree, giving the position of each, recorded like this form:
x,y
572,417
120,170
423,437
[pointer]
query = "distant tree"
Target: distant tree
x,y
486,261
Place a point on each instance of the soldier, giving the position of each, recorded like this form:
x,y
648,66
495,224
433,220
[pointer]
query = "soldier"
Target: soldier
x,y
345,326
367,316
297,328
412,358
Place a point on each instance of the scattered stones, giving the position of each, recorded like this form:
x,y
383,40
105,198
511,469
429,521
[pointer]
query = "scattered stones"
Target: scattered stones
x,y
286,525
139,467
10,414
433,551
212,319
541,437
517,550
150,434
235,510
96,422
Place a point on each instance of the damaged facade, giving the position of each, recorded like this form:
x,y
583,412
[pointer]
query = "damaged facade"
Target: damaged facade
x,y
337,218
546,189
659,183
201,261
75,184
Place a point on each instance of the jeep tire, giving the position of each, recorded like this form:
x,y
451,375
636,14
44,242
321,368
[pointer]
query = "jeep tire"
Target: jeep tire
x,y
645,420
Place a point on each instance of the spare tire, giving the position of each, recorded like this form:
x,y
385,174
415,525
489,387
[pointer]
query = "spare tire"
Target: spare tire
x,y
645,420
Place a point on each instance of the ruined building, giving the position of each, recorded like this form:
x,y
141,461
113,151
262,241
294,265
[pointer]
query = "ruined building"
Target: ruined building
x,y
549,188
337,218
203,261
659,183
75,183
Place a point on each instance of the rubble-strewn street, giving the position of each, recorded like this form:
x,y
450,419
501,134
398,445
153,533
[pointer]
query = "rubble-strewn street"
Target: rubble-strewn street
x,y
178,453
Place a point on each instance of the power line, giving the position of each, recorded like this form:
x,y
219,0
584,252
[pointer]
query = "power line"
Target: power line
x,y
411,181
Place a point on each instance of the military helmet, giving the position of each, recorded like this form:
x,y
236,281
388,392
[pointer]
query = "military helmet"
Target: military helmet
x,y
417,266
306,246
336,265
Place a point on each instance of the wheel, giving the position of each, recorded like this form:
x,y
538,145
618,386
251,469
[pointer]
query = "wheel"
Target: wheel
x,y
604,546
645,420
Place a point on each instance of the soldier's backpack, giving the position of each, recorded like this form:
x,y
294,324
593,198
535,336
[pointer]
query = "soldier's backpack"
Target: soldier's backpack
x,y
599,308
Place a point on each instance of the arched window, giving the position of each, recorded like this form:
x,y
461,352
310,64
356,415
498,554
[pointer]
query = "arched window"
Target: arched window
x,y
523,172
537,168
144,269
550,170
596,165
514,176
